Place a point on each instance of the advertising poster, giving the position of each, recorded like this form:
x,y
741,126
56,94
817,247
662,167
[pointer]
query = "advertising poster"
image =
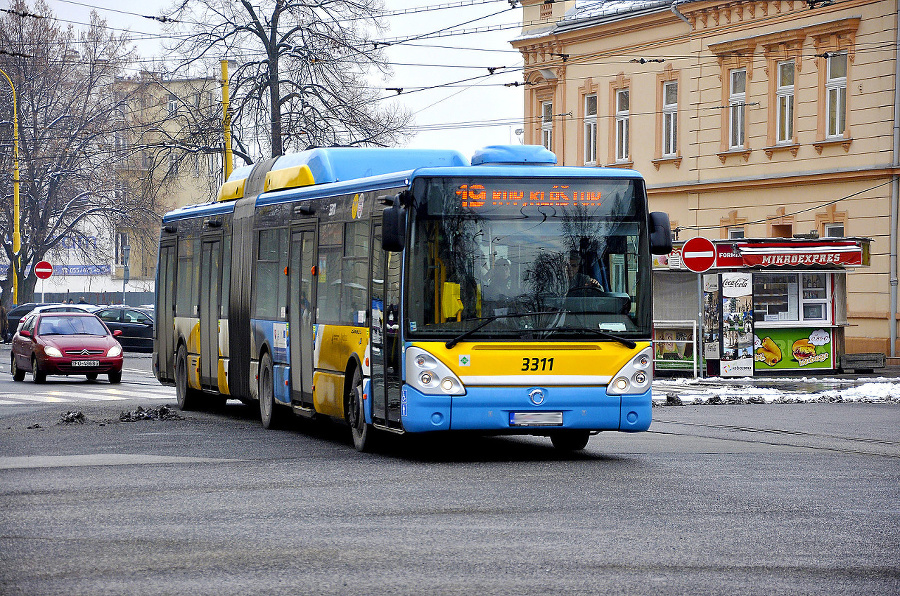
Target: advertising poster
x,y
711,321
793,349
674,348
738,340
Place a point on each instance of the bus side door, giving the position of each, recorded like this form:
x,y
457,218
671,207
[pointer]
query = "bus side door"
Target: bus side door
x,y
385,335
164,329
210,307
301,313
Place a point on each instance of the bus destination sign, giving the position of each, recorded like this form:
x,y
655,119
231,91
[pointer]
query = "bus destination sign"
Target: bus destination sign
x,y
476,196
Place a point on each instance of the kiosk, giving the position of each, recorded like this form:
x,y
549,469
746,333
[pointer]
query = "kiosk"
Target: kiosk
x,y
768,305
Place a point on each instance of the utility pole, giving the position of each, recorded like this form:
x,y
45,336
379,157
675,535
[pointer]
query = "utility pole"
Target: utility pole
x,y
17,238
227,119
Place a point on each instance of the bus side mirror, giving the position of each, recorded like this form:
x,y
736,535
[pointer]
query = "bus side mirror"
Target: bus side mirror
x,y
660,233
393,228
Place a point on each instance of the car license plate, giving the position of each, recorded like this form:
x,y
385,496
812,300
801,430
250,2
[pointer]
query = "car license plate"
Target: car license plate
x,y
85,363
535,418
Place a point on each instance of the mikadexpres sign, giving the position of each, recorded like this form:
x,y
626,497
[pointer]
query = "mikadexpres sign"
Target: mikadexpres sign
x,y
735,255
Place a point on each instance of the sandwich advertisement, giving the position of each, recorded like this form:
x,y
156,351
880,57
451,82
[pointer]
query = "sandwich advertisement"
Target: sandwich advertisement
x,y
793,349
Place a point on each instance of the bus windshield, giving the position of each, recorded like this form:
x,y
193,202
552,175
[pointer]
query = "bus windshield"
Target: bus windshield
x,y
529,258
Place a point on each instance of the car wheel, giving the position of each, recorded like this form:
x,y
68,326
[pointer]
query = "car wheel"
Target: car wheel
x,y
570,440
187,397
36,372
271,414
17,373
91,376
115,376
356,415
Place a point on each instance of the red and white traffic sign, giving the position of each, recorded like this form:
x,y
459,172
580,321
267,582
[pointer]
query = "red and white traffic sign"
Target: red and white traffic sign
x,y
698,254
43,270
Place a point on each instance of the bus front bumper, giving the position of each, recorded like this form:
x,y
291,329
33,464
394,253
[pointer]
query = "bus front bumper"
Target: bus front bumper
x,y
526,410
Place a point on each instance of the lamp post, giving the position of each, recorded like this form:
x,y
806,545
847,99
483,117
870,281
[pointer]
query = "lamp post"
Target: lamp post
x,y
226,122
126,252
17,239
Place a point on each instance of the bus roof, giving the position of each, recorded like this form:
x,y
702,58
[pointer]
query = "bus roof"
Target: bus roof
x,y
338,170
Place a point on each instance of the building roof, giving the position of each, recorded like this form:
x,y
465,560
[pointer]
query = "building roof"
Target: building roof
x,y
592,12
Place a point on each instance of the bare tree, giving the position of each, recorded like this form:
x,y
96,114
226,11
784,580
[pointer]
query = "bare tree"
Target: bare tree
x,y
301,70
68,110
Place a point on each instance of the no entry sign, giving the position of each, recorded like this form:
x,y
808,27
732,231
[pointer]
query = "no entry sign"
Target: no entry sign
x,y
698,254
43,270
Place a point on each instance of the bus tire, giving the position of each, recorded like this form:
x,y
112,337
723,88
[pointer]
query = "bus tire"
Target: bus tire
x,y
271,414
356,415
186,397
570,440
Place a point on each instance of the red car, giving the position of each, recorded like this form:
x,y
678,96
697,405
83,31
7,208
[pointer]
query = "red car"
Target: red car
x,y
65,343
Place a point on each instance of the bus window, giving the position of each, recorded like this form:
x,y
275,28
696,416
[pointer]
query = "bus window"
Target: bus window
x,y
355,273
270,264
188,278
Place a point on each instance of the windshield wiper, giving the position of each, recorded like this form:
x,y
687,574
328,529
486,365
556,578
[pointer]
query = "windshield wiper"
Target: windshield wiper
x,y
603,334
452,342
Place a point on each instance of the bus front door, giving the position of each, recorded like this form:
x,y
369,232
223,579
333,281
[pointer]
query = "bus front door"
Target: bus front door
x,y
301,314
210,301
385,336
164,346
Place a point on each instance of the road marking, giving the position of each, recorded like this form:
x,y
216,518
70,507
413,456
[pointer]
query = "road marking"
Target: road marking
x,y
89,393
99,459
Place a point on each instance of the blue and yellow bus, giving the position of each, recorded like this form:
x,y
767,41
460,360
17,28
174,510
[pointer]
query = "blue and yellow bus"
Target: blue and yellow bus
x,y
414,291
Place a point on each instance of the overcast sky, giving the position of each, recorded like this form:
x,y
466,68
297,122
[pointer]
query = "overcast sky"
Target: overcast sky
x,y
465,96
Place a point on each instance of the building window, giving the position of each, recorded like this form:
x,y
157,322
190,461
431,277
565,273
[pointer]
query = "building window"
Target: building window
x,y
547,125
670,119
173,104
737,98
782,230
836,95
121,243
590,129
735,233
834,230
622,130
784,95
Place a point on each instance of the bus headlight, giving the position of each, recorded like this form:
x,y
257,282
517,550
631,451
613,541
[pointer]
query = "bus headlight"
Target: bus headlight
x,y
429,375
635,377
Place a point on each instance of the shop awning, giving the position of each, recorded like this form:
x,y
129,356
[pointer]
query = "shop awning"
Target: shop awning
x,y
789,254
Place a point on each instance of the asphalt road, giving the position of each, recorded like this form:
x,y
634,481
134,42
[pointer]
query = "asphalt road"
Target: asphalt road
x,y
756,499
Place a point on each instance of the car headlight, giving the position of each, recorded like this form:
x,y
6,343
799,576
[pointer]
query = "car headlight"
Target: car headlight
x,y
635,377
114,351
431,376
52,352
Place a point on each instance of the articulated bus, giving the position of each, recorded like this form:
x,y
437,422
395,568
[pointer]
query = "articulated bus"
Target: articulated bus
x,y
414,291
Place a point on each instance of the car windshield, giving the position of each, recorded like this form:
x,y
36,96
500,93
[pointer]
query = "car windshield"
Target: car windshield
x,y
526,258
71,326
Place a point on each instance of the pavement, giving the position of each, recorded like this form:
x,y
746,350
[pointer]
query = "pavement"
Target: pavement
x,y
879,386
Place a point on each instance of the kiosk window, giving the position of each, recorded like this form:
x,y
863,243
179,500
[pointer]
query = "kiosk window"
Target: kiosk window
x,y
791,297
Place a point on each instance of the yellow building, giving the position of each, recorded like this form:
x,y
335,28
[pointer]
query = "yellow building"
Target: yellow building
x,y
748,120
172,158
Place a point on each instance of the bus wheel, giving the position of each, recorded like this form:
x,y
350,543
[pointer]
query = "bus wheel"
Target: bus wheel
x,y
187,398
356,415
271,414
570,440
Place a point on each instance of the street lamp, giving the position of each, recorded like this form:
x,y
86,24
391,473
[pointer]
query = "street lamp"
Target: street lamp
x,y
17,239
126,252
